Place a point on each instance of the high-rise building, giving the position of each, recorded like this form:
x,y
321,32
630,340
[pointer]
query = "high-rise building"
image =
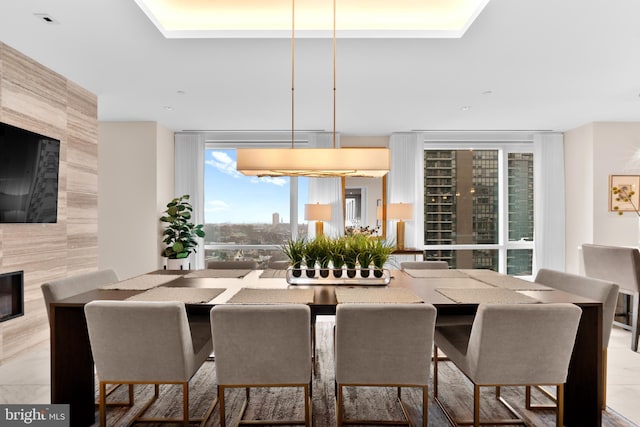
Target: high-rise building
x,y
275,218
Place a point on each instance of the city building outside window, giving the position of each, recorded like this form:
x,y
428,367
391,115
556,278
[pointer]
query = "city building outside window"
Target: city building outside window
x,y
479,207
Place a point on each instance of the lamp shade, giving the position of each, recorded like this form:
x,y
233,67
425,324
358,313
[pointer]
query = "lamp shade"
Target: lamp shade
x,y
317,212
401,211
313,162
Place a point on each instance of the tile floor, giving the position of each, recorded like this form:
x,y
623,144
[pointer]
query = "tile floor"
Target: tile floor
x,y
27,379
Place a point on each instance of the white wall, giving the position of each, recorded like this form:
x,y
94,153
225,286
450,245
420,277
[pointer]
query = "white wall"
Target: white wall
x,y
592,153
135,183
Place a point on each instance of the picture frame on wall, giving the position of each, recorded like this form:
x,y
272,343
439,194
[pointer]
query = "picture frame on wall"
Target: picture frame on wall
x,y
622,187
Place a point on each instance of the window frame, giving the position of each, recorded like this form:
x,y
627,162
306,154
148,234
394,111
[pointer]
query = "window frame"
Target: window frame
x,y
505,145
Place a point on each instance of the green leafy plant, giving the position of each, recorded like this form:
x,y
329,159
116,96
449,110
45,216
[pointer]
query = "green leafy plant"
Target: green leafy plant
x,y
337,251
294,250
314,252
380,252
352,253
180,234
324,246
365,257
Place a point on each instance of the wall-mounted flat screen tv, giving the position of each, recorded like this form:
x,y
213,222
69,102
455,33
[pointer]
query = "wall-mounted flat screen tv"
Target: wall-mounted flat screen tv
x,y
29,165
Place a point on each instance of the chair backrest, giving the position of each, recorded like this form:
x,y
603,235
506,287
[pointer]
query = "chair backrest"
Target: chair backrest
x,y
144,341
424,265
384,343
588,287
522,343
615,264
56,290
232,265
262,344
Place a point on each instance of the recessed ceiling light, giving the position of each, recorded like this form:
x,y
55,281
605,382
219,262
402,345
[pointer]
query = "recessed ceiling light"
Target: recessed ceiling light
x,y
465,108
487,92
168,107
46,18
355,18
180,92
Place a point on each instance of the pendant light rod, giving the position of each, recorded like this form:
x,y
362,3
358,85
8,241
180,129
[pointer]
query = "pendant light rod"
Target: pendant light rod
x,y
334,73
293,72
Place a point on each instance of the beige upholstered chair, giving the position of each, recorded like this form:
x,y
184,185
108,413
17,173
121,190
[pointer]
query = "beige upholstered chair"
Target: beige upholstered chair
x,y
383,345
502,348
619,265
599,290
57,290
262,346
69,286
424,265
139,342
232,265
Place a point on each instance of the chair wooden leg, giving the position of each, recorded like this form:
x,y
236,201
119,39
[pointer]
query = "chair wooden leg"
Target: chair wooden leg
x,y
634,322
102,404
604,379
221,403
560,405
425,406
476,405
307,406
185,405
339,414
435,371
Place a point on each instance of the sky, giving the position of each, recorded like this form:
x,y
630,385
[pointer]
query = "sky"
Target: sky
x,y
231,197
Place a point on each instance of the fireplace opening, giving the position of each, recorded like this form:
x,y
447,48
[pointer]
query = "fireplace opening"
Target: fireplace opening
x,y
11,295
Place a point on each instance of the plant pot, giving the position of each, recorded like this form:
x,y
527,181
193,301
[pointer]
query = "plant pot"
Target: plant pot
x,y
178,264
378,272
337,272
311,272
351,272
296,272
324,272
364,272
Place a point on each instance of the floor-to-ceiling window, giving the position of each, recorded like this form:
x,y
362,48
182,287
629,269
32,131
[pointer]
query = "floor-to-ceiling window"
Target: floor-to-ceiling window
x,y
249,218
479,206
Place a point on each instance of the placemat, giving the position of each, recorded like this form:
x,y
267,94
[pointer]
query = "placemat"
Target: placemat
x,y
376,295
422,273
142,283
457,282
185,295
509,282
486,296
218,274
271,273
272,296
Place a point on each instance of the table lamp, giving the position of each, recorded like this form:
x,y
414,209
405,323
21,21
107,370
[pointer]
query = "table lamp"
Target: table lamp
x,y
319,213
400,212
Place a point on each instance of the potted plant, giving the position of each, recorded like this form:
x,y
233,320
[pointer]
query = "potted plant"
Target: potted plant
x,y
351,252
364,255
313,252
380,251
180,234
294,250
337,251
324,250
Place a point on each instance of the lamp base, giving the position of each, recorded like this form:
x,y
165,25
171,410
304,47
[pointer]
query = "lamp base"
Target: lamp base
x,y
319,228
400,235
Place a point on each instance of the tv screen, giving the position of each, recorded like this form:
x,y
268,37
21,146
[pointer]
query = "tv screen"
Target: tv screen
x,y
28,176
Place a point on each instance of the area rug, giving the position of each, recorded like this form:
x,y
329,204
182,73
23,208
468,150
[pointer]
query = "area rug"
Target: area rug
x,y
269,403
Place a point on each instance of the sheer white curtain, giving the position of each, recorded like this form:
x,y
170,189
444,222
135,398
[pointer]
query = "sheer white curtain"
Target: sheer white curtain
x,y
405,183
549,216
189,179
326,190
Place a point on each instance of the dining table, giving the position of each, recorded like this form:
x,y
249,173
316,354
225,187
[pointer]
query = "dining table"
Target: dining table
x,y
454,293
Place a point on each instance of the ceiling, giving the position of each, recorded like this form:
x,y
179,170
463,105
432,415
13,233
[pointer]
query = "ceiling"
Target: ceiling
x,y
522,65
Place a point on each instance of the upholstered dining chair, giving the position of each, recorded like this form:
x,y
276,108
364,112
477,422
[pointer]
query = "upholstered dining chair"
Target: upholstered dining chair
x,y
147,342
596,289
383,345
232,265
502,348
56,290
260,345
619,265
424,265
67,287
